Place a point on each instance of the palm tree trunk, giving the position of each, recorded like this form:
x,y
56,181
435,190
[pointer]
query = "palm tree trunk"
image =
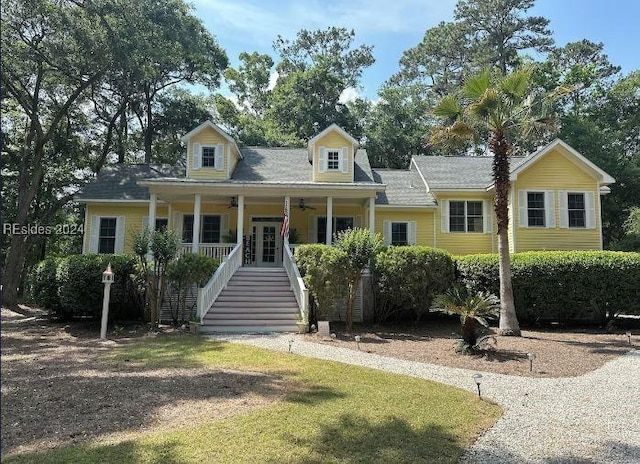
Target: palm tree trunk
x,y
501,149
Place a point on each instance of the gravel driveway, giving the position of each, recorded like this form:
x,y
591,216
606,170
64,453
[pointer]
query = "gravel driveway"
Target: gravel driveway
x,y
594,418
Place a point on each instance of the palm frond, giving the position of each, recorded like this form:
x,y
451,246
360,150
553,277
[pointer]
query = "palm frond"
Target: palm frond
x,y
448,108
516,84
486,104
476,86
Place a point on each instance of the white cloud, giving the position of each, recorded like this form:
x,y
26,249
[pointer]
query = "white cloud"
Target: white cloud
x,y
348,95
273,79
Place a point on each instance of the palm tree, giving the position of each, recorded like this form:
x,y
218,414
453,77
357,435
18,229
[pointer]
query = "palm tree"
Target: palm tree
x,y
498,107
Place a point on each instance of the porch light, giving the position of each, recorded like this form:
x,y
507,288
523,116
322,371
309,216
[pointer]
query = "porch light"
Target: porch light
x,y
629,336
477,378
531,357
358,341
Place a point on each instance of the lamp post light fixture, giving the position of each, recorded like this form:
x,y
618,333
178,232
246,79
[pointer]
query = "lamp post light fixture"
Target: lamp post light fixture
x,y
629,336
357,337
531,357
478,380
107,280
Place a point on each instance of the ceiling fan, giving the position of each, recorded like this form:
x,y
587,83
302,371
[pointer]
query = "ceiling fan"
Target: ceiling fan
x,y
302,206
233,203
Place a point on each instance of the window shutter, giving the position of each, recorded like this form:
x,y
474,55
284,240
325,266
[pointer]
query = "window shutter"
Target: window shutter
x,y
323,159
487,216
197,156
224,228
344,160
119,246
550,209
411,232
444,215
177,223
95,233
386,225
522,207
313,228
590,210
219,163
564,210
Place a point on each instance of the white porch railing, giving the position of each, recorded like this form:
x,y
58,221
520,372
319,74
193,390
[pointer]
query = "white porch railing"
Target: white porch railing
x,y
297,284
208,294
214,250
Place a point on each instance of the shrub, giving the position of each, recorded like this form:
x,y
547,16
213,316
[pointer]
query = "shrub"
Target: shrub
x,y
407,278
79,280
187,271
562,286
43,285
324,271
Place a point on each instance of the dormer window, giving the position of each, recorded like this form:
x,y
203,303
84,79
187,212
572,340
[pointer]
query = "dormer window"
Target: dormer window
x,y
208,156
333,160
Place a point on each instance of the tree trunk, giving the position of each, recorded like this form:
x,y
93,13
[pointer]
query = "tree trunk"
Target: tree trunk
x,y
470,331
13,270
148,131
501,150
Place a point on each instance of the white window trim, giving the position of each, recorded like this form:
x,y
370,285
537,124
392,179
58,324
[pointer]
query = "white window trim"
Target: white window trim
x,y
94,241
445,217
589,209
180,217
549,209
387,227
343,159
219,156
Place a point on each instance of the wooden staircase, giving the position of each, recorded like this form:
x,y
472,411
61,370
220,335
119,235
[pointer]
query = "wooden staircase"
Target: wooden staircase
x,y
255,300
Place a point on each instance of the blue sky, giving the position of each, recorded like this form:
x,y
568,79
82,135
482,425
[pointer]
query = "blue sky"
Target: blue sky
x,y
396,25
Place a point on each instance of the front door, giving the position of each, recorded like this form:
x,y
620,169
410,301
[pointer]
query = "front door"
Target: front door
x,y
269,244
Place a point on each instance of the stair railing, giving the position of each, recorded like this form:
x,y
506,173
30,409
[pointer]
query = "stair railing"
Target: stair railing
x,y
208,294
297,284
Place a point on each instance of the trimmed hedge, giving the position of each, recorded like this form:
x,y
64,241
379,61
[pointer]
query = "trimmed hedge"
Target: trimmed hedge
x,y
407,278
72,286
562,286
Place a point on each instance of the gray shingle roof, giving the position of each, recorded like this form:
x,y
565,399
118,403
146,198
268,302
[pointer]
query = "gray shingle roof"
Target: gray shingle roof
x,y
458,172
287,165
404,188
118,181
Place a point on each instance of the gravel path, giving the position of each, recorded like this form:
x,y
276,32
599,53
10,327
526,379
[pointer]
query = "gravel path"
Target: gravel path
x,y
594,418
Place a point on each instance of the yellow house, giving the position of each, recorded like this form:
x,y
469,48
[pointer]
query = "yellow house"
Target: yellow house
x,y
230,202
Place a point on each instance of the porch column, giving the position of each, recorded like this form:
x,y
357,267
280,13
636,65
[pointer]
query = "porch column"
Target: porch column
x,y
153,202
329,220
240,228
372,216
195,241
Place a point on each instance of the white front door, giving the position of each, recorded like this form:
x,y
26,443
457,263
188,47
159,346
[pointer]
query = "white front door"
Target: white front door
x,y
268,244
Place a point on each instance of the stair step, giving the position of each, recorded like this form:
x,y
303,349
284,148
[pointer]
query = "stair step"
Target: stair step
x,y
219,317
262,310
256,304
272,297
258,289
211,329
250,322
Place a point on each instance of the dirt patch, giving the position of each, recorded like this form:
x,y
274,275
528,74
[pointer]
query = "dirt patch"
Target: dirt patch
x,y
56,389
559,353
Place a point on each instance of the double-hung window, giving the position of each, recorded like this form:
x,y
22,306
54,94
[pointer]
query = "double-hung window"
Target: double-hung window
x,y
576,210
107,235
208,157
466,216
399,233
536,209
340,223
333,160
209,229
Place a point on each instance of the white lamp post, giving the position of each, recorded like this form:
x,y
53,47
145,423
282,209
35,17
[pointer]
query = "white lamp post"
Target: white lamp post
x,y
107,280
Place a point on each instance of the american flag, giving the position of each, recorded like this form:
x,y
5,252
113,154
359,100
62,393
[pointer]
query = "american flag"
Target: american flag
x,y
284,230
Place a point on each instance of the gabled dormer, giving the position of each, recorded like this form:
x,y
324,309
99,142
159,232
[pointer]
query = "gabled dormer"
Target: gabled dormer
x,y
332,153
212,154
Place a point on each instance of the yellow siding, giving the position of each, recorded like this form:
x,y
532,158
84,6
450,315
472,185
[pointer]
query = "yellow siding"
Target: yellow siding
x,y
208,136
332,140
460,243
422,217
556,172
133,216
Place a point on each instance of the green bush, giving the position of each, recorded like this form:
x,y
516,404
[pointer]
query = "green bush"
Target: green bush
x,y
42,286
183,274
407,278
324,271
80,288
562,286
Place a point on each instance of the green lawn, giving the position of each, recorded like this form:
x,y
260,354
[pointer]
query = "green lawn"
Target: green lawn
x,y
334,413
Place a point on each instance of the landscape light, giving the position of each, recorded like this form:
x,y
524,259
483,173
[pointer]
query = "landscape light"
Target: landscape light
x,y
290,343
629,336
478,379
358,341
333,336
531,357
